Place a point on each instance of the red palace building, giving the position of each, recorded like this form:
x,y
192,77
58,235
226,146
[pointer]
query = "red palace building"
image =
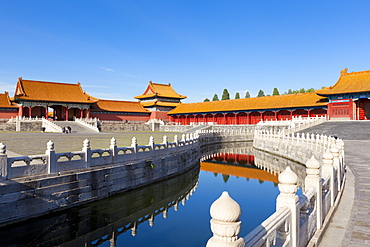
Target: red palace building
x,y
347,99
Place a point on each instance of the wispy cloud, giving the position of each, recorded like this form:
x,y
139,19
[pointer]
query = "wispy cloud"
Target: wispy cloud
x,y
107,69
132,76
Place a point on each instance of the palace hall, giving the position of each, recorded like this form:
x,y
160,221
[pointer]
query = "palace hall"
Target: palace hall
x,y
347,99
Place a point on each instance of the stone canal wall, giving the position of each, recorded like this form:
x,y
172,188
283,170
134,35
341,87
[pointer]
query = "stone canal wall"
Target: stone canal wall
x,y
34,185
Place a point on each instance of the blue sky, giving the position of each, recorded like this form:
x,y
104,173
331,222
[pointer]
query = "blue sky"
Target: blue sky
x,y
114,48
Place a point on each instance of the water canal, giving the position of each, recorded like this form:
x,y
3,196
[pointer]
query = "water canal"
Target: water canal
x,y
174,212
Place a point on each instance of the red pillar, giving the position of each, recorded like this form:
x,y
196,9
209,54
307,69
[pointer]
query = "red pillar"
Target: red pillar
x,y
261,116
236,118
291,114
88,113
308,112
225,120
275,115
20,112
29,111
66,113
248,118
47,112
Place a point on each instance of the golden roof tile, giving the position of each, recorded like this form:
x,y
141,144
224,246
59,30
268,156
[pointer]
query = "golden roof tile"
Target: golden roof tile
x,y
160,90
349,83
51,92
118,106
259,103
5,101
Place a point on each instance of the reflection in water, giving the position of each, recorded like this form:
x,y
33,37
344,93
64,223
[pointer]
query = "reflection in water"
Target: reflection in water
x,y
98,222
239,165
242,154
235,167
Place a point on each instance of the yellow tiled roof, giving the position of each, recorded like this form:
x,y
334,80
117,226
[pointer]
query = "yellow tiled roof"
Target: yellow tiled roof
x,y
258,103
161,90
349,83
159,103
5,101
118,106
51,91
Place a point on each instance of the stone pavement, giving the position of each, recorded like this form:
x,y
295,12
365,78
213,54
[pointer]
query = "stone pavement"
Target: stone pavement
x,y
350,225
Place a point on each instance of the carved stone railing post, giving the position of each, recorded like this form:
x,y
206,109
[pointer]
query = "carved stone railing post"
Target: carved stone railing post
x,y
176,141
3,162
288,199
328,169
134,146
113,148
52,162
86,149
151,144
313,179
335,151
225,223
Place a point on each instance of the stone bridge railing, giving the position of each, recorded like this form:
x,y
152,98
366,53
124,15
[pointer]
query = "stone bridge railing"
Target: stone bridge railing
x,y
35,184
52,162
297,219
224,134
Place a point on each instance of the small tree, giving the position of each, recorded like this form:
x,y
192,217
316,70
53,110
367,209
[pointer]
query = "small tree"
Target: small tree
x,y
261,93
290,91
215,97
275,92
237,95
225,95
206,100
247,95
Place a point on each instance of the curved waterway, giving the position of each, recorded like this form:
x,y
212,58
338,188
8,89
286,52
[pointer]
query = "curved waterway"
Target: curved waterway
x,y
174,212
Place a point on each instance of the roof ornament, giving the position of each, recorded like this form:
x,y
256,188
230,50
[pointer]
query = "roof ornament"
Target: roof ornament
x,y
344,71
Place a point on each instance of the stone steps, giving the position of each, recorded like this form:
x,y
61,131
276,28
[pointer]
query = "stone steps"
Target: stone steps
x,y
76,128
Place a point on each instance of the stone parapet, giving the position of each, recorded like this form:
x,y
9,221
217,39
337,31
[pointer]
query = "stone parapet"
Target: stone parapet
x,y
34,185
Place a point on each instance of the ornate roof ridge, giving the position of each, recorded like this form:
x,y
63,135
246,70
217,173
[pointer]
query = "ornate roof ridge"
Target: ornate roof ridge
x,y
64,83
345,73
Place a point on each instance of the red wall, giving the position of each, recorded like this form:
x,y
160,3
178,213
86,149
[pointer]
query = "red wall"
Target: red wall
x,y
246,118
341,110
8,114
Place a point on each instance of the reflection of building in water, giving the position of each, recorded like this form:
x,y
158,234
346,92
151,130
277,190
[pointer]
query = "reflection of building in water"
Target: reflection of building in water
x,y
239,171
104,220
235,158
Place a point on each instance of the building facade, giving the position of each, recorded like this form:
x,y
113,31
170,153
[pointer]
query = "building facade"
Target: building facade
x,y
349,98
159,99
62,101
250,110
8,109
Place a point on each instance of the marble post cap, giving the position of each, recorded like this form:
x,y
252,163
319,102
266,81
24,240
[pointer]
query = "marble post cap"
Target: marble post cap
x,y
225,209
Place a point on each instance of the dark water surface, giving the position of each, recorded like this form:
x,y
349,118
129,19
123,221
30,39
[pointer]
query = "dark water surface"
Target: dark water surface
x,y
173,212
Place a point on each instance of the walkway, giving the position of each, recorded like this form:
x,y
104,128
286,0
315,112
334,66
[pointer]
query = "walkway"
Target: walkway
x,y
350,225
